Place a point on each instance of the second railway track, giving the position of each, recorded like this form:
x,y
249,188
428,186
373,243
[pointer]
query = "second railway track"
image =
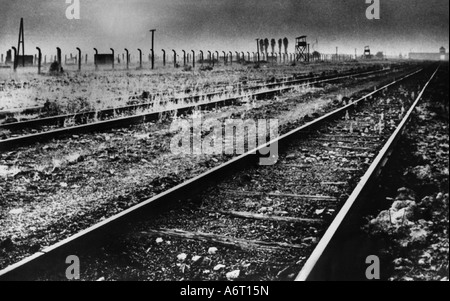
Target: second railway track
x,y
217,89
257,223
107,119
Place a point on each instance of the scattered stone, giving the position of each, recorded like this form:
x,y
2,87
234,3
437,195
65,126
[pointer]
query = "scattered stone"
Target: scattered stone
x,y
405,194
422,172
6,171
263,210
16,211
403,210
419,234
281,213
233,275
311,240
219,267
196,258
212,250
291,157
319,211
182,257
75,158
402,261
141,136
246,265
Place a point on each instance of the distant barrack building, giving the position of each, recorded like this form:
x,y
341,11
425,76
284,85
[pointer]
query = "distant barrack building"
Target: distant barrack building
x,y
442,55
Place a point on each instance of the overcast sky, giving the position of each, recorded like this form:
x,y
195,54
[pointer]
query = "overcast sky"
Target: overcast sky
x,y
232,25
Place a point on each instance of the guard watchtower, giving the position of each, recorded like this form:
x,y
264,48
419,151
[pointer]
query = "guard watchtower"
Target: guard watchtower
x,y
302,49
367,54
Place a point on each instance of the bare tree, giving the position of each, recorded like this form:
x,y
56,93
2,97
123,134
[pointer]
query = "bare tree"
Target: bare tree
x,y
286,44
266,46
280,45
273,43
316,55
261,45
379,55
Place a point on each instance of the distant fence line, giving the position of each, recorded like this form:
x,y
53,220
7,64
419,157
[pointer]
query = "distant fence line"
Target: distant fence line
x,y
167,58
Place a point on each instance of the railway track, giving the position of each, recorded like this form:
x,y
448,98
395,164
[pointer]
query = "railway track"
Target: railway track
x,y
257,223
83,117
218,88
180,106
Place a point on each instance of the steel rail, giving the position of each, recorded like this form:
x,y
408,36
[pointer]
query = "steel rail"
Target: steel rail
x,y
321,259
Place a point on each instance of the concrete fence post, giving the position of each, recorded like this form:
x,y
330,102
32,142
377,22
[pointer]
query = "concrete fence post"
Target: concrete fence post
x,y
39,59
95,58
140,58
58,51
128,57
112,50
174,58
79,59
15,58
164,58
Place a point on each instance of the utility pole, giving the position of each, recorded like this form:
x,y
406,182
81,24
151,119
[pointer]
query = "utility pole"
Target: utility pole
x,y
257,44
153,47
21,42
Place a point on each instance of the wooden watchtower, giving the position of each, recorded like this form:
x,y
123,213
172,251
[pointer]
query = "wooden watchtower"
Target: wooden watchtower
x,y
302,49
